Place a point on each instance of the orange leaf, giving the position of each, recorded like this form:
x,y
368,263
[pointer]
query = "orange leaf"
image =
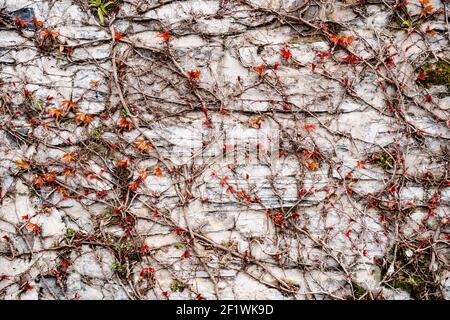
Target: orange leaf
x,y
50,177
68,172
256,121
69,104
426,11
39,181
312,165
124,123
142,145
143,174
37,23
94,83
83,118
223,180
68,157
158,172
260,69
54,112
341,40
32,227
311,154
23,164
122,163
430,31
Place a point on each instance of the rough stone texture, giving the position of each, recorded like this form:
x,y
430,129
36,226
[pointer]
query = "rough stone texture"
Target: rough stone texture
x,y
270,184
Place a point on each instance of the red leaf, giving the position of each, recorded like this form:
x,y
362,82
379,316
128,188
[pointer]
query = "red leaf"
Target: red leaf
x,y
278,218
194,74
179,231
65,263
286,53
21,23
133,186
393,189
158,172
351,58
323,55
117,36
165,36
144,249
199,297
302,192
27,286
421,77
147,272
185,255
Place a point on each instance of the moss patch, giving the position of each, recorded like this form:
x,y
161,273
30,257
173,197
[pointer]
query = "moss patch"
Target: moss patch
x,y
437,74
358,291
412,274
382,159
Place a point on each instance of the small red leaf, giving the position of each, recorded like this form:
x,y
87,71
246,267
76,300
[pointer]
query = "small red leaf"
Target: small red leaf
x,y
185,255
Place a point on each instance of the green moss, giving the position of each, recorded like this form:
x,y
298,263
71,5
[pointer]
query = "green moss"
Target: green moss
x,y
437,74
358,291
120,269
108,213
97,132
124,246
383,160
71,233
178,286
412,273
404,284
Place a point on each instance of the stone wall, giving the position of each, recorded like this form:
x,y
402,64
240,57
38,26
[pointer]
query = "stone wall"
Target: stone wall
x,y
233,149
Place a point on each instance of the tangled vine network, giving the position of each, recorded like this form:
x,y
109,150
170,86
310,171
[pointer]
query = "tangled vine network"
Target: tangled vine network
x,y
224,149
